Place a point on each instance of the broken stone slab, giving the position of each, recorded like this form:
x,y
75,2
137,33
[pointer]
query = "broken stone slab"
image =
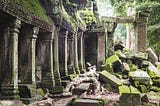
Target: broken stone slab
x,y
115,62
112,80
80,89
144,64
141,76
120,54
152,57
125,68
130,99
153,71
124,89
86,102
134,89
130,54
11,103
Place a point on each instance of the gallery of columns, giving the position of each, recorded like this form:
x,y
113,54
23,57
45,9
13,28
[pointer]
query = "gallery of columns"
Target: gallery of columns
x,y
38,53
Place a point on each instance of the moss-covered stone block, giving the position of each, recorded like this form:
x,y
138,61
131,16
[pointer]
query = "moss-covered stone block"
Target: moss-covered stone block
x,y
86,102
155,88
124,89
130,99
106,77
134,89
141,76
80,89
130,54
108,67
120,54
143,88
57,90
125,68
153,71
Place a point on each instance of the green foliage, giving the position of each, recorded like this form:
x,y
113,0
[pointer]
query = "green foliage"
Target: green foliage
x,y
153,23
69,18
88,16
34,7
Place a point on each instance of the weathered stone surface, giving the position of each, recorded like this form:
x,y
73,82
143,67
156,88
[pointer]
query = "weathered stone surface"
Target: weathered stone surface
x,y
130,99
125,68
106,77
136,55
152,56
81,88
11,103
115,62
87,102
141,76
134,90
120,54
153,71
124,89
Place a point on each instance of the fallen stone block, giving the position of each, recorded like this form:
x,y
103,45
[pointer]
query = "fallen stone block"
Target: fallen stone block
x,y
87,102
130,99
141,76
136,55
115,62
124,89
120,54
125,68
134,89
153,71
11,103
80,89
106,77
152,57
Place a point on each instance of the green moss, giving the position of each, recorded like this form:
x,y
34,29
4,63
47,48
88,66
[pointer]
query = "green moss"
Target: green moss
x,y
124,89
34,7
112,59
69,18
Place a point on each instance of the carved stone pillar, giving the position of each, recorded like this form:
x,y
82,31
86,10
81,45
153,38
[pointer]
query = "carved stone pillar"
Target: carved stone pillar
x,y
110,28
141,33
76,53
63,53
27,55
9,87
47,67
81,53
56,60
70,62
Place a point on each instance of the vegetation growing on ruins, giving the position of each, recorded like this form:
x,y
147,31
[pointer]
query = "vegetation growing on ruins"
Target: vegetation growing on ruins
x,y
34,7
152,9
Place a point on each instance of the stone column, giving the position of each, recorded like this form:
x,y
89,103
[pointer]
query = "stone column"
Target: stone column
x,y
27,58
63,53
81,53
56,60
110,38
9,87
70,63
47,67
76,53
141,33
32,56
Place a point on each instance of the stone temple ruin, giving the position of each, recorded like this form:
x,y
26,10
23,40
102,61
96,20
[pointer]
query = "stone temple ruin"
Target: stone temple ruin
x,y
45,45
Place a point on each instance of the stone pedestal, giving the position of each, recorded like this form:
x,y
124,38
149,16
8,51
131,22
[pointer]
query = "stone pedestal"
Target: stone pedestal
x,y
63,53
9,86
47,67
141,33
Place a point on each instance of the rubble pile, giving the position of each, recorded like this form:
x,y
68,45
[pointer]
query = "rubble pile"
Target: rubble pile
x,y
131,74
